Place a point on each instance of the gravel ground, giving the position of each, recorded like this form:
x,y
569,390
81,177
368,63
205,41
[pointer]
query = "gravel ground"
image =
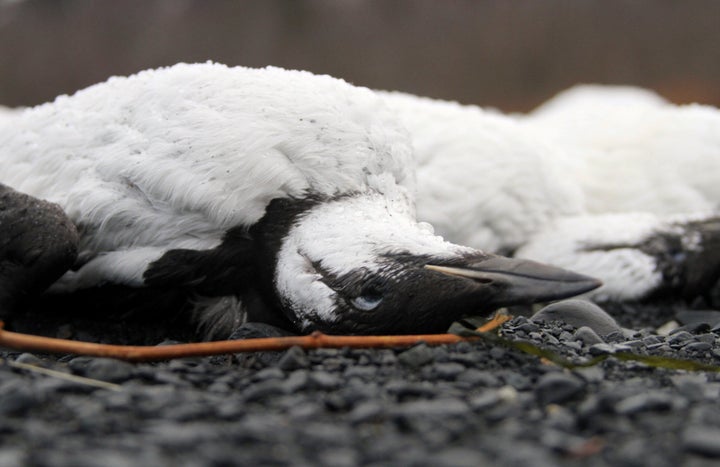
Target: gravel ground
x,y
466,404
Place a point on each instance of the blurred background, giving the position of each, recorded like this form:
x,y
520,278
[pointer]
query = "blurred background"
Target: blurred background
x,y
509,54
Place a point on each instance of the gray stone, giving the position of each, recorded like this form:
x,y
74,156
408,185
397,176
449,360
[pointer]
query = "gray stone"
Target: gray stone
x,y
440,408
416,356
698,347
588,336
293,359
579,313
557,387
29,359
365,372
479,378
702,440
646,401
486,399
448,370
108,369
298,379
268,374
17,399
324,380
365,411
601,349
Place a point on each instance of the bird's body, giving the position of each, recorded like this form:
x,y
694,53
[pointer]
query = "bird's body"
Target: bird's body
x,y
268,185
610,181
168,159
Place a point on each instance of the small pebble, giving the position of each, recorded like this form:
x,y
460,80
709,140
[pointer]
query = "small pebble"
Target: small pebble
x,y
324,380
703,440
294,358
557,387
588,336
646,401
416,356
108,369
601,349
29,359
448,371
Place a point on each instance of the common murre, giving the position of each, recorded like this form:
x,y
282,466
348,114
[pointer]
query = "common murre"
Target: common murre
x,y
609,181
287,191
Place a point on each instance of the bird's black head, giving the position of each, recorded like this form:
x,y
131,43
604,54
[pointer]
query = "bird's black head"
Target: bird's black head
x,y
359,265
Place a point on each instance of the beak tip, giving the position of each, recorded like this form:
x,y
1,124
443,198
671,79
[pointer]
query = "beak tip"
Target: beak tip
x,y
524,280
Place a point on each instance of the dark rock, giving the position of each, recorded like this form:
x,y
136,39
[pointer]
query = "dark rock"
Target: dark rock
x,y
646,401
497,353
593,374
561,418
588,336
702,440
559,440
416,356
479,378
653,339
17,399
557,387
404,389
708,317
698,347
708,337
365,373
448,371
298,380
458,457
269,373
105,369
485,399
29,359
692,387
264,390
516,379
339,457
294,358
366,411
529,327
436,408
679,336
324,380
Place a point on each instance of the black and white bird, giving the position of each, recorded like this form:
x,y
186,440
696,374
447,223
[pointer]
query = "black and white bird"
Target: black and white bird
x,y
610,181
260,194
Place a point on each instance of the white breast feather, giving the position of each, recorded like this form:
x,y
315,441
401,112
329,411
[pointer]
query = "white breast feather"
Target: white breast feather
x,y
176,156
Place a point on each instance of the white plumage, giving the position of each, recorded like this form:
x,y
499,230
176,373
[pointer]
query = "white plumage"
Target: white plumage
x,y
173,158
631,151
582,182
483,178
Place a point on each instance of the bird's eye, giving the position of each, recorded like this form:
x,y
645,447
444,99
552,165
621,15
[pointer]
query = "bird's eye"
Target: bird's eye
x,y
368,301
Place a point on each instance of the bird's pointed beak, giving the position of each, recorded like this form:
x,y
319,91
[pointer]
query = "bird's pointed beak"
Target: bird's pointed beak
x,y
510,281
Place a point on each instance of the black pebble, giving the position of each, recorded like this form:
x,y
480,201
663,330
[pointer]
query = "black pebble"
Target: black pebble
x,y
104,369
294,358
416,356
556,387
